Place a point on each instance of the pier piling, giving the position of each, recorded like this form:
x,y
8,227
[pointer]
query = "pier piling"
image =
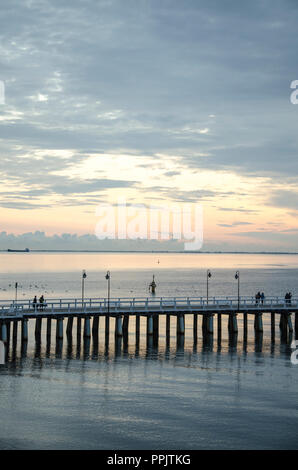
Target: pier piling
x,y
79,326
232,323
4,332
15,331
87,329
69,327
24,329
107,325
258,323
180,325
272,327
59,328
38,325
195,327
209,323
137,327
49,327
149,325
95,328
118,326
219,325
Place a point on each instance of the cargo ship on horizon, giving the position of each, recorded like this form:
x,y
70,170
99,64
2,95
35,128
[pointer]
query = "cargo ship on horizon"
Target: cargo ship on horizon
x,y
26,250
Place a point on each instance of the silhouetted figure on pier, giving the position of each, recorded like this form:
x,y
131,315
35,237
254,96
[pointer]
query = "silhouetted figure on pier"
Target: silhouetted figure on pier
x,y
258,297
152,286
41,302
288,297
262,297
34,303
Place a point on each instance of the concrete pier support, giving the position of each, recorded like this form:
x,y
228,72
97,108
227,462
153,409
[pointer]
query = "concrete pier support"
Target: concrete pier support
x,y
15,331
38,325
137,326
180,325
195,327
118,345
8,333
258,324
79,327
168,325
149,325
232,325
219,325
290,324
272,327
180,343
125,325
87,328
118,326
95,328
49,327
24,330
245,326
59,328
235,325
283,322
209,323
4,332
204,330
155,325
69,327
107,325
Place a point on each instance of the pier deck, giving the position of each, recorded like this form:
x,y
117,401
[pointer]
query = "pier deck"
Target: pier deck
x,y
145,306
150,307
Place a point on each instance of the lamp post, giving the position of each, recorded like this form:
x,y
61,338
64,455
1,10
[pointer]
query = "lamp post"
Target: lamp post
x,y
237,277
208,277
84,275
108,277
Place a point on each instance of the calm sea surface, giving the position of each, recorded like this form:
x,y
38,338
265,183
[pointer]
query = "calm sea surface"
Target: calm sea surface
x,y
178,396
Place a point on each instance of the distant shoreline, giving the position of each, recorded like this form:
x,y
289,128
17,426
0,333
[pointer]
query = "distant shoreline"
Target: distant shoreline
x,y
157,252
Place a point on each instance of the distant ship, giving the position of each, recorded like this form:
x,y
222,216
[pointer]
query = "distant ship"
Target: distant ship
x,y
19,251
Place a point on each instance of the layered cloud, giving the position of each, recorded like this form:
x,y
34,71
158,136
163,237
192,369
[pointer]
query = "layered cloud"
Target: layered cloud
x,y
190,101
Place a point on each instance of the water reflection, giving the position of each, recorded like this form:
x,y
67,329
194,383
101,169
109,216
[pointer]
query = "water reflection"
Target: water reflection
x,y
144,346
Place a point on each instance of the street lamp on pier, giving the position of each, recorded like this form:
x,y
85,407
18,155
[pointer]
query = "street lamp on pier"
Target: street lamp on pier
x,y
84,275
108,278
208,277
237,277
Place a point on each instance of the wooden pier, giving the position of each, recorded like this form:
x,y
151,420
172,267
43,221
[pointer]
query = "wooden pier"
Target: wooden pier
x,y
89,313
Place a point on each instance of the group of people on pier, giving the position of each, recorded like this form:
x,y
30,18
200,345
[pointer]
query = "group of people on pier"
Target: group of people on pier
x,y
39,306
260,297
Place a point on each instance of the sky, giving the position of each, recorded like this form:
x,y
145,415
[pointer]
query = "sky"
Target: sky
x,y
158,102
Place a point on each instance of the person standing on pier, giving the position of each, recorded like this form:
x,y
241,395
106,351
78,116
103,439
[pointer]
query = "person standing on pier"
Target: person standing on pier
x,y
288,297
41,302
34,303
262,297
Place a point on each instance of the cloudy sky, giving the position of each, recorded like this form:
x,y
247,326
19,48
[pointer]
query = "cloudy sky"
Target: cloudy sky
x,y
157,101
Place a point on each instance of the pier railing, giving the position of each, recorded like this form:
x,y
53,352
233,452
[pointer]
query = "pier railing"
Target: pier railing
x,y
145,304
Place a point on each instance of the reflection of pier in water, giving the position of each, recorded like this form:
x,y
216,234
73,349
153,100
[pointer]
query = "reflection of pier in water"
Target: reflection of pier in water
x,y
144,324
